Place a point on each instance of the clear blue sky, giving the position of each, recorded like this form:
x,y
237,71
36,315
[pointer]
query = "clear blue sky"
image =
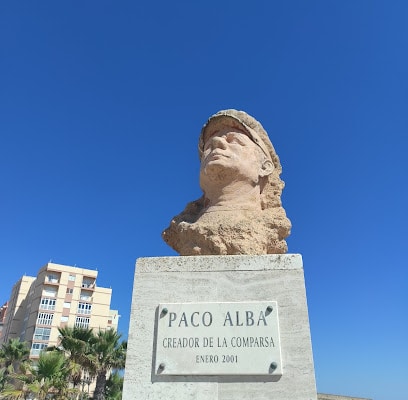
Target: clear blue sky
x,y
101,104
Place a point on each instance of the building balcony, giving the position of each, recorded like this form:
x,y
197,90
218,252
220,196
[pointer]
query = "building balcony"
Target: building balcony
x,y
51,281
88,286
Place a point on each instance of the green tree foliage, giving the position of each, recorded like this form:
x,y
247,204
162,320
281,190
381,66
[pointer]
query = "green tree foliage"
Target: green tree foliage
x,y
13,354
61,370
75,344
114,387
108,353
13,363
47,378
52,373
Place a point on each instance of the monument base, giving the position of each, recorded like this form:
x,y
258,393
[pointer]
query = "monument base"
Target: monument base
x,y
164,291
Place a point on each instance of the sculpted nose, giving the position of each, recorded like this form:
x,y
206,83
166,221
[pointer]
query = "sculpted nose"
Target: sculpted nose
x,y
218,142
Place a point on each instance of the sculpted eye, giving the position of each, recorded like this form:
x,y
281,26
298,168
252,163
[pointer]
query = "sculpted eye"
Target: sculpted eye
x,y
234,137
207,143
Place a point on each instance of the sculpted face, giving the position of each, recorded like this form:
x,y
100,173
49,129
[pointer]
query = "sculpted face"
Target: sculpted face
x,y
230,155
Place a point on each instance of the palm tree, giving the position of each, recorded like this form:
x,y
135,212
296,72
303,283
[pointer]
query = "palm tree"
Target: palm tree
x,y
108,353
13,359
75,343
51,375
114,387
12,392
19,385
80,352
13,353
3,378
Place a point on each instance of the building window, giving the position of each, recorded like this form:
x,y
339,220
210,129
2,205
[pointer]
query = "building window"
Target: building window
x,y
47,304
87,283
71,278
37,347
52,278
64,319
85,296
81,322
84,308
49,292
67,305
44,319
42,334
70,290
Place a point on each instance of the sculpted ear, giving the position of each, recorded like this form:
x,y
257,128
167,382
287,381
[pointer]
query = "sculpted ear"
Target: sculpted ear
x,y
267,168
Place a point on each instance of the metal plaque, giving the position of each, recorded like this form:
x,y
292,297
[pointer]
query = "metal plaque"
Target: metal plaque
x,y
218,339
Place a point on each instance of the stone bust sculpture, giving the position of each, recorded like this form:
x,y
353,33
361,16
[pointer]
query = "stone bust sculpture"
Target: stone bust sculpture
x,y
240,211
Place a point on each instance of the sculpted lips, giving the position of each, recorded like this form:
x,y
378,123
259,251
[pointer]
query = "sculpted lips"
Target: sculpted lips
x,y
217,154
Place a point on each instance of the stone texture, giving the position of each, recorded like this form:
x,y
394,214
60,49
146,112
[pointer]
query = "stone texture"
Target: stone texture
x,y
220,279
240,211
323,396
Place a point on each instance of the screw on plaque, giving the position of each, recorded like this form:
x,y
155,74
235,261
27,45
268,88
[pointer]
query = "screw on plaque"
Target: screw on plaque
x,y
269,309
161,367
273,366
164,311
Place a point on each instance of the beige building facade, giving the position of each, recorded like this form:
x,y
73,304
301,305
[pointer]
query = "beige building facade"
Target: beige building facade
x,y
59,296
3,311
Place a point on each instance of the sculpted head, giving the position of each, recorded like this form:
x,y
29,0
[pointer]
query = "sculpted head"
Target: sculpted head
x,y
235,157
240,211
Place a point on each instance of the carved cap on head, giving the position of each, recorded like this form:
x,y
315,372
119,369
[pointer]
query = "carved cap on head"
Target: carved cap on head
x,y
243,121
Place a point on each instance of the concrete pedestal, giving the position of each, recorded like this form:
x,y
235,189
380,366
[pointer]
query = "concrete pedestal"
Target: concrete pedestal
x,y
220,279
